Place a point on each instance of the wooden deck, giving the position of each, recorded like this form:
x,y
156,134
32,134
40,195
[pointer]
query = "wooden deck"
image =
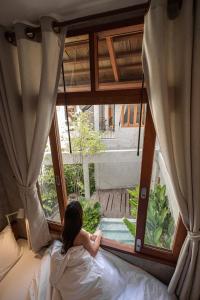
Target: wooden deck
x,y
114,203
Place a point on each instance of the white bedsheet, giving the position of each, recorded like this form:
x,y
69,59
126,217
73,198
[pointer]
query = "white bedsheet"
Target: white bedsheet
x,y
78,276
15,285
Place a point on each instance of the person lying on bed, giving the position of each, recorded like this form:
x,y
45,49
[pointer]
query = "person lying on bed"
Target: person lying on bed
x,y
73,233
80,270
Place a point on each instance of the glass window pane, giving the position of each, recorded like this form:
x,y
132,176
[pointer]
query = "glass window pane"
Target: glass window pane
x,y
76,64
131,114
119,57
163,212
47,187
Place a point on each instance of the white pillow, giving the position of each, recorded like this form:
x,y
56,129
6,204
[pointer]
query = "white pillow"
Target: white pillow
x,y
10,252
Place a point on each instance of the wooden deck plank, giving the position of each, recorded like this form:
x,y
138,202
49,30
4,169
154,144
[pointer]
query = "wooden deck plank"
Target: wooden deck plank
x,y
127,205
104,201
114,202
108,211
123,204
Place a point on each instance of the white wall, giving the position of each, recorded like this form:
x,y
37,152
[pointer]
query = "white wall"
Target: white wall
x,y
122,137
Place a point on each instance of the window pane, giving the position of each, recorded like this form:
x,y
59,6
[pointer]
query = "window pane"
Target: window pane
x,y
163,212
130,115
47,187
76,64
103,171
119,57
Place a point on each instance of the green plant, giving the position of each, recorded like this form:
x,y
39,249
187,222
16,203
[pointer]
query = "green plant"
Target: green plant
x,y
73,174
91,214
159,224
86,141
133,200
48,190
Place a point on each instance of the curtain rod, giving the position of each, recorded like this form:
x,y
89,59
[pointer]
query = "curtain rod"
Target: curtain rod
x,y
173,7
31,31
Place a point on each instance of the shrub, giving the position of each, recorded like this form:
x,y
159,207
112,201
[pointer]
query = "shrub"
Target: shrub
x,y
160,224
48,190
74,184
91,214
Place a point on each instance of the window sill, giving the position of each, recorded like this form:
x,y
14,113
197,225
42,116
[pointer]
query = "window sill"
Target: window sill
x,y
107,244
127,249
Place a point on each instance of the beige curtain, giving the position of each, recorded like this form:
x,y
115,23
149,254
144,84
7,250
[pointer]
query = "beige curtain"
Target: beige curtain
x,y
171,60
29,75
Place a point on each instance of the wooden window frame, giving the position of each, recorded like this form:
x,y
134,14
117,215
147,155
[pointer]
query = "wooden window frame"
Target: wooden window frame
x,y
111,116
135,111
58,167
129,93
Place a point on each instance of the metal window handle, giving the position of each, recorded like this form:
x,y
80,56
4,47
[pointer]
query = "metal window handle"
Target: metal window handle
x,y
143,193
57,179
138,245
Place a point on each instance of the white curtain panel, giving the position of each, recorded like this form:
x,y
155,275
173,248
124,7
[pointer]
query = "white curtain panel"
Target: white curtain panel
x,y
29,76
171,60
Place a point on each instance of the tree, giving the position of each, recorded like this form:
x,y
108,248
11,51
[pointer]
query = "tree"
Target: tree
x,y
86,141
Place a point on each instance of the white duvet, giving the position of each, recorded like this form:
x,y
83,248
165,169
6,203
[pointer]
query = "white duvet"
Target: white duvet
x,y
78,276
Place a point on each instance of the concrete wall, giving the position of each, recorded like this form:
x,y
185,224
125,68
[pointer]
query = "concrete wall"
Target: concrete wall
x,y
119,170
122,137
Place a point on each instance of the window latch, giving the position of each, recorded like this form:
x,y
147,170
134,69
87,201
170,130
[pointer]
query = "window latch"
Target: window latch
x,y
138,245
57,179
143,193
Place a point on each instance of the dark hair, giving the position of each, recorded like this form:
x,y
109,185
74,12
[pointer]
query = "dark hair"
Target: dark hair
x,y
72,224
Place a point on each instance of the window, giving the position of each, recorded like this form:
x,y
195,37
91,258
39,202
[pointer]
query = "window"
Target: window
x,y
76,64
162,212
89,169
119,57
47,187
100,159
130,115
106,117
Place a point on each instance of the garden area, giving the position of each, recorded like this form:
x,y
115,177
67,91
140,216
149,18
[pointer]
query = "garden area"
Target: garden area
x,y
86,142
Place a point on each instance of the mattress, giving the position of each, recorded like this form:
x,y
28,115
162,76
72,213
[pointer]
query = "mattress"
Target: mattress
x,y
15,285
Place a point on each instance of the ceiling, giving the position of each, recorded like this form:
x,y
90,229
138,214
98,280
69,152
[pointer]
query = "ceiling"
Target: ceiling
x,y
31,10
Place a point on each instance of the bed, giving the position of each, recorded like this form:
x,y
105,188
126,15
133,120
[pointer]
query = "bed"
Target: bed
x,y
16,283
29,278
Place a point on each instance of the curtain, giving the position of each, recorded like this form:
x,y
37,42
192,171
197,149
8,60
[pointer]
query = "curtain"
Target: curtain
x,y
29,76
171,61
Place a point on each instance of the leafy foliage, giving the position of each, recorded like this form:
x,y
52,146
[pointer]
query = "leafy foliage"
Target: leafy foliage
x,y
91,214
48,190
74,178
87,141
74,183
160,224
